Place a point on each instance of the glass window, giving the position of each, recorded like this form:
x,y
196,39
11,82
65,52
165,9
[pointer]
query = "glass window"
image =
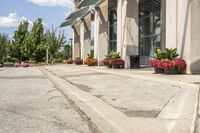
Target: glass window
x,y
149,28
112,30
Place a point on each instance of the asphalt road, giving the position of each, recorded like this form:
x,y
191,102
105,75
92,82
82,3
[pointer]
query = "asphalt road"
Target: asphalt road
x,y
30,103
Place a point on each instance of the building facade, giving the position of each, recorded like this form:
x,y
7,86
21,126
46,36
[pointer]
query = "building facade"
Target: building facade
x,y
136,27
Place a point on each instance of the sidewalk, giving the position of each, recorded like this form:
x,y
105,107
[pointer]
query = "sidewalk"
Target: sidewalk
x,y
177,113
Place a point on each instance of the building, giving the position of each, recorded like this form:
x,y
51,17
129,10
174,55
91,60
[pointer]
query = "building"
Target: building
x,y
137,27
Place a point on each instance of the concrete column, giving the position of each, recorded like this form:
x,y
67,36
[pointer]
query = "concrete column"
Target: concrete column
x,y
124,29
171,23
103,32
195,37
82,28
76,41
119,26
96,34
130,32
86,37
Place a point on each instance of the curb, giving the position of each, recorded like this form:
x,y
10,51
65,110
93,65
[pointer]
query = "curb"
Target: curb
x,y
178,116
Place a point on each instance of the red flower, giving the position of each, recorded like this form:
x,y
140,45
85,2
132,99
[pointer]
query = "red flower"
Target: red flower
x,y
155,63
178,63
118,62
106,61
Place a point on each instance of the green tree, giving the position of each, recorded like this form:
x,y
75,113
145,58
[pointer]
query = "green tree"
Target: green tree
x,y
18,40
4,42
67,51
38,41
54,41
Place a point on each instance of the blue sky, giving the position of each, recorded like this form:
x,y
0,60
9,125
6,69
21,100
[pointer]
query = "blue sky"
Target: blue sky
x,y
53,12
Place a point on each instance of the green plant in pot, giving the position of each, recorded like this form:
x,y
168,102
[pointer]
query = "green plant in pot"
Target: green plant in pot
x,y
157,60
170,53
90,61
115,60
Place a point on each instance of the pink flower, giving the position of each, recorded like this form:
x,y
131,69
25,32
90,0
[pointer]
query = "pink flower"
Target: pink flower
x,y
178,63
155,63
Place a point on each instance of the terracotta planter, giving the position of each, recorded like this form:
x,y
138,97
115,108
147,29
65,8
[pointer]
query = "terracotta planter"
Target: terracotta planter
x,y
171,71
158,70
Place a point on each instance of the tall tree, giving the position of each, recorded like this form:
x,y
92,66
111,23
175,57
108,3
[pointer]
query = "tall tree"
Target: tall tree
x,y
4,42
38,40
18,40
54,41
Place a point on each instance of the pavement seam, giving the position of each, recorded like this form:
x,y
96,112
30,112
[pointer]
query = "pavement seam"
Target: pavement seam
x,y
91,124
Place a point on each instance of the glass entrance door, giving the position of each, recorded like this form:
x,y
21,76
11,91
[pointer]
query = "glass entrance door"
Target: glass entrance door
x,y
149,29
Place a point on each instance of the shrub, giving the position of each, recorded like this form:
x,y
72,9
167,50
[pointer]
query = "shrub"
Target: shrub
x,y
9,59
59,60
24,64
69,61
17,65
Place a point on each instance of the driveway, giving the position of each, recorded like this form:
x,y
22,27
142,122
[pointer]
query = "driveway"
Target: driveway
x,y
30,103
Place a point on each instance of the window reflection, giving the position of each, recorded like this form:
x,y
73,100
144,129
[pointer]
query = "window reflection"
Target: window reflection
x,y
149,28
112,30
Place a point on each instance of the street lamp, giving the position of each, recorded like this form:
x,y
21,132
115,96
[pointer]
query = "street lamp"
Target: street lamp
x,y
71,47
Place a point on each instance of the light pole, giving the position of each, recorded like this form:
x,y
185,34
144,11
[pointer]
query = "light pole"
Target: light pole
x,y
47,55
71,47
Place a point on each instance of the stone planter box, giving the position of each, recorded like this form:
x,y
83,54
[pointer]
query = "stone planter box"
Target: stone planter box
x,y
159,70
109,66
91,64
78,63
69,62
114,66
8,64
171,71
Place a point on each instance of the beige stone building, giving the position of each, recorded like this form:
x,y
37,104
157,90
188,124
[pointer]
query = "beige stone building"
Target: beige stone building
x,y
135,28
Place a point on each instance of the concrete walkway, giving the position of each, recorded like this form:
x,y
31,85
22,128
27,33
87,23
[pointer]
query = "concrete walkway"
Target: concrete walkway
x,y
130,100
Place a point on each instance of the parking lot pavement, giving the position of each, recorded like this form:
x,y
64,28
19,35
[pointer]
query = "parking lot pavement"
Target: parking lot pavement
x,y
30,103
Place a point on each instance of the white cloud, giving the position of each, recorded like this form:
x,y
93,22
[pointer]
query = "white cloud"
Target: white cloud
x,y
53,3
12,20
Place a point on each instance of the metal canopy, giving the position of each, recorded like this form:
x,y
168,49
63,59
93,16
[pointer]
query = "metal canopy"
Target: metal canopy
x,y
75,17
85,3
85,7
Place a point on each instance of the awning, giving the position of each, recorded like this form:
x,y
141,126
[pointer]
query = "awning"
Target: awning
x,y
75,17
88,3
86,7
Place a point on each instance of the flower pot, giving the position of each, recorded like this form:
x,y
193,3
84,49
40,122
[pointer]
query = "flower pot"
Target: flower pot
x,y
116,66
78,63
91,64
171,71
109,66
158,70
